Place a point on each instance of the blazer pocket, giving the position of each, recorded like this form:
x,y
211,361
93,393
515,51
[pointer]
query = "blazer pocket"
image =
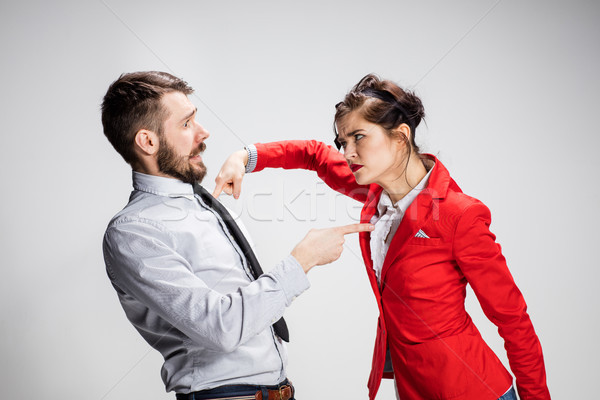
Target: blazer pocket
x,y
437,369
419,241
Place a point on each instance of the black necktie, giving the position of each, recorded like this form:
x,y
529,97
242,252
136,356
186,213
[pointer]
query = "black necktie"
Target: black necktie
x,y
280,326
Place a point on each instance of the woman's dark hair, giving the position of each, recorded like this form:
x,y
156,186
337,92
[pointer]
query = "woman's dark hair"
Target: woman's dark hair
x,y
133,102
384,103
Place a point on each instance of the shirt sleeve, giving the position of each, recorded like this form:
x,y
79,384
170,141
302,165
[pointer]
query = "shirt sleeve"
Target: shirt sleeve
x,y
329,163
252,158
481,261
141,261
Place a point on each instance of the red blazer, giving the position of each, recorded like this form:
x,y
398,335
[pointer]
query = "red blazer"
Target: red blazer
x,y
436,350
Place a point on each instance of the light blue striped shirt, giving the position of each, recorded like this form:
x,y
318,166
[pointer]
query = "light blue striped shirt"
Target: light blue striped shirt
x,y
185,286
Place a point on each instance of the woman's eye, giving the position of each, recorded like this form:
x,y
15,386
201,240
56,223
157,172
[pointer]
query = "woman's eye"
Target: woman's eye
x,y
358,137
187,123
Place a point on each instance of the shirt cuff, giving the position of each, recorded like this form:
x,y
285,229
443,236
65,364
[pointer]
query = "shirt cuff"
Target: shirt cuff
x,y
252,158
291,277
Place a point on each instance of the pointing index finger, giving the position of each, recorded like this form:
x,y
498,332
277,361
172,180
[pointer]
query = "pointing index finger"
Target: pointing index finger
x,y
218,189
354,228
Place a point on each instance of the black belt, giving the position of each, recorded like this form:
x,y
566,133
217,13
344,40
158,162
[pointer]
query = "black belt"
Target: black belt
x,y
282,391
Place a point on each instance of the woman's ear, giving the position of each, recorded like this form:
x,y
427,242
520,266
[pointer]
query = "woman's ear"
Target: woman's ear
x,y
146,141
403,132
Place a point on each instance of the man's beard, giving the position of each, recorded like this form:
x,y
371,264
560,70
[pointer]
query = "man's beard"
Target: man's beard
x,y
179,166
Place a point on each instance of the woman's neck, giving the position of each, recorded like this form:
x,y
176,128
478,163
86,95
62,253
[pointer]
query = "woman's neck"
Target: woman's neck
x,y
400,186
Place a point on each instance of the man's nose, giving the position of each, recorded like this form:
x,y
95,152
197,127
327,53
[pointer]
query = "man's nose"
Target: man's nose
x,y
201,133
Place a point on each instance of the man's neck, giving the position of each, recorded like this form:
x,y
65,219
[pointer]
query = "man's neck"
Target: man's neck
x,y
151,170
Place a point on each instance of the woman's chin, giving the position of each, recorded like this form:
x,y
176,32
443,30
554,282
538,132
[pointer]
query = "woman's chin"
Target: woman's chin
x,y
361,179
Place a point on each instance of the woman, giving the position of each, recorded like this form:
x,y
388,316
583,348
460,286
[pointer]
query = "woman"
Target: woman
x,y
430,240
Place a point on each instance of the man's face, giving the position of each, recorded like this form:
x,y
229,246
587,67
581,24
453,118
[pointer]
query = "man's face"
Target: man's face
x,y
182,140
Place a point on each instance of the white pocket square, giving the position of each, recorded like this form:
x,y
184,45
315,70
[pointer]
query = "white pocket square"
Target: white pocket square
x,y
422,234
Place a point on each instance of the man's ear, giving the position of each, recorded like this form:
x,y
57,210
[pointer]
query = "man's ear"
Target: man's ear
x,y
146,141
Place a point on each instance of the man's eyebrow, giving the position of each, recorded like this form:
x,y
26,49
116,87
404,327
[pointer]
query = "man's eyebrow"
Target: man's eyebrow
x,y
190,114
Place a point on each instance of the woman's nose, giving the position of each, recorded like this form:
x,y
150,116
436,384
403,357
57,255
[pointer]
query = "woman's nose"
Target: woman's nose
x,y
349,152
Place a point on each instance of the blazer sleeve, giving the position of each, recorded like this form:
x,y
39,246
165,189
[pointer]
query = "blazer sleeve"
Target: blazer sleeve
x,y
329,163
482,263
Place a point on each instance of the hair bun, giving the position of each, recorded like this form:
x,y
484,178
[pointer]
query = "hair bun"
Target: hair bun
x,y
382,102
413,105
370,81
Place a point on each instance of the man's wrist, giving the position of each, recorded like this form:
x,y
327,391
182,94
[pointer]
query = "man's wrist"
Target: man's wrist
x,y
303,261
292,278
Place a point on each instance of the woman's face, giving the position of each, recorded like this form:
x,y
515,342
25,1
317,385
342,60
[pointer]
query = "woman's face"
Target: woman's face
x,y
371,153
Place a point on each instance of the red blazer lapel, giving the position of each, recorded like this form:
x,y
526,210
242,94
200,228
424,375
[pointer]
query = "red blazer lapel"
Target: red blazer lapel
x,y
369,209
423,208
416,216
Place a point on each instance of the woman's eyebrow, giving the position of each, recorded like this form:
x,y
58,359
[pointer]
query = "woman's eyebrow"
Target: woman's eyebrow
x,y
354,132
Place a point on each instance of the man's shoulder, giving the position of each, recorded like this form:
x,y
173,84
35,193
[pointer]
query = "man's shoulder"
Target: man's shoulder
x,y
142,208
156,212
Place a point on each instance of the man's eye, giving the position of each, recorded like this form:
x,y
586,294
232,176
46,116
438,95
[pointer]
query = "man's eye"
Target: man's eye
x,y
358,137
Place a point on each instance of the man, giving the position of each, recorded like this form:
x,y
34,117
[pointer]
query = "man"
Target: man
x,y
183,271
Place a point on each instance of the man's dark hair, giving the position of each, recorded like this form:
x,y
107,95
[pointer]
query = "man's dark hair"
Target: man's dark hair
x,y
133,102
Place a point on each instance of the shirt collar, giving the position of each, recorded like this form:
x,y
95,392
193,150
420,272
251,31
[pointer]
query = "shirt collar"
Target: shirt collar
x,y
162,186
385,202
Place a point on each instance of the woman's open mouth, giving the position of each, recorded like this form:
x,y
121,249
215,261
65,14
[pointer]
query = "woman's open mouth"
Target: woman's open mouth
x,y
355,167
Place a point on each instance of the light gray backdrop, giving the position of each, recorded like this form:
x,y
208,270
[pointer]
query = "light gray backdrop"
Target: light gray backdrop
x,y
511,94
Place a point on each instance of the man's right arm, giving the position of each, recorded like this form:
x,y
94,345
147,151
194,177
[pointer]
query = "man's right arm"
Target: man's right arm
x,y
141,261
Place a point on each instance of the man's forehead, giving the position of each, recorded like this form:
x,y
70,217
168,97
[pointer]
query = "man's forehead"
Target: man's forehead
x,y
177,104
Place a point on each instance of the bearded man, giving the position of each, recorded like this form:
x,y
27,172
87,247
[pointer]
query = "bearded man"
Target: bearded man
x,y
182,268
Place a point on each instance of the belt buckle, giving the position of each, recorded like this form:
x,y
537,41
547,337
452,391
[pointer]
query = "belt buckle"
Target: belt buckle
x,y
281,388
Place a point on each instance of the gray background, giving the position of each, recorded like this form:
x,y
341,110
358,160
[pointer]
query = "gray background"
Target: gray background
x,y
511,93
